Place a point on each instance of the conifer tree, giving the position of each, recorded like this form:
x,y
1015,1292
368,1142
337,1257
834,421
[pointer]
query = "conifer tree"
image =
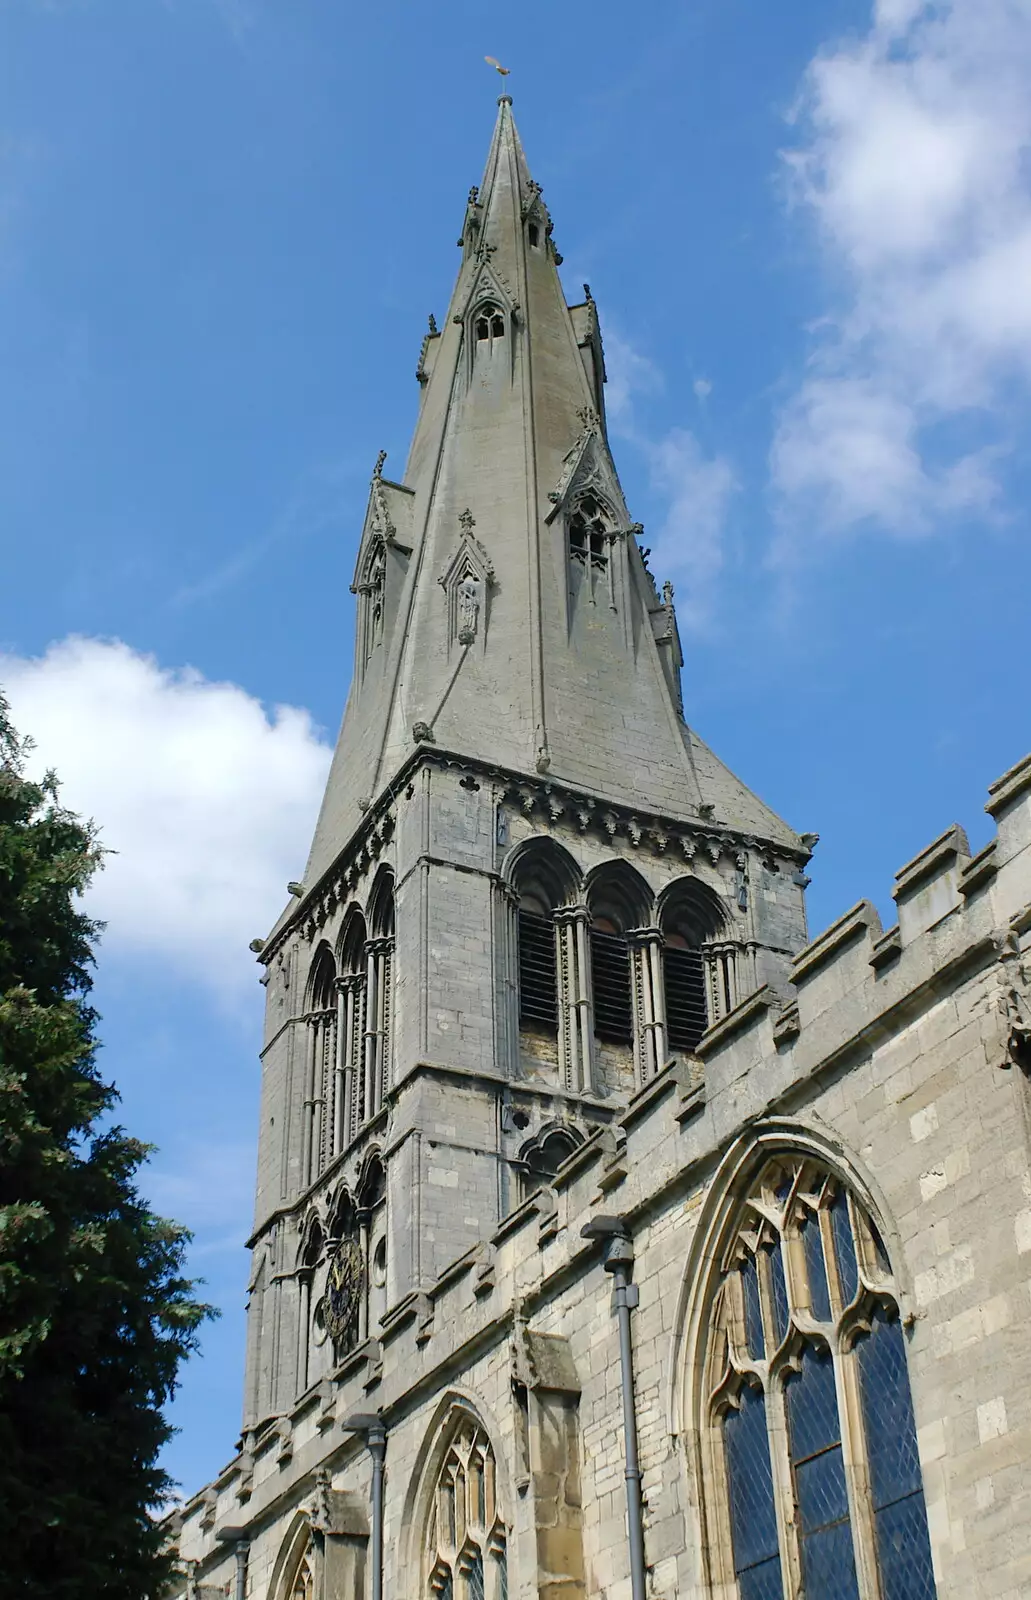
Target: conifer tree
x,y
95,1312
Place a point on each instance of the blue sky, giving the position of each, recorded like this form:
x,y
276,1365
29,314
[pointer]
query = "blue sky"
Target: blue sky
x,y
222,226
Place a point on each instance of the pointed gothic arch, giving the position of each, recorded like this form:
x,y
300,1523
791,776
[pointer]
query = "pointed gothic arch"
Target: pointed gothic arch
x,y
366,1002
699,963
456,1510
791,1390
321,1074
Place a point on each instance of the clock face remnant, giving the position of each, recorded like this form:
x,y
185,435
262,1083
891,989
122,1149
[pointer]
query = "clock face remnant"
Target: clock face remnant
x,y
345,1281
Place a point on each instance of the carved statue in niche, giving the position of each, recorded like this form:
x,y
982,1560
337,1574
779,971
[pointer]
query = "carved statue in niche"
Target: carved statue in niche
x,y
469,592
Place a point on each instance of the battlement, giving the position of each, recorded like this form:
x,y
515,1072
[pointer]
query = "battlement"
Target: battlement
x,y
856,996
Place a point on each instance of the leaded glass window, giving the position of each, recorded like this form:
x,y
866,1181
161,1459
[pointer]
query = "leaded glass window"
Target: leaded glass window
x,y
466,1535
812,1443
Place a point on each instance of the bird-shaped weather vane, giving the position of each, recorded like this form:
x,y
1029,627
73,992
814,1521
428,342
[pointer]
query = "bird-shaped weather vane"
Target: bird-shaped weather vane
x,y
493,62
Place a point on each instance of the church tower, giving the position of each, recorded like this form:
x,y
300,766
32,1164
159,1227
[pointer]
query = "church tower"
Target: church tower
x,y
531,885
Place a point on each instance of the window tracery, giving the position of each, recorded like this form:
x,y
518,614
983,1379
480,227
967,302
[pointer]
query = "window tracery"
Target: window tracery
x,y
466,1546
589,533
488,324
303,1586
542,1158
810,1435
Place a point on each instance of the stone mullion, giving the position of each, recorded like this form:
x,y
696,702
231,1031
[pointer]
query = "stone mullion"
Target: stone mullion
x,y
565,965
384,997
303,1328
857,1477
649,1003
641,999
574,998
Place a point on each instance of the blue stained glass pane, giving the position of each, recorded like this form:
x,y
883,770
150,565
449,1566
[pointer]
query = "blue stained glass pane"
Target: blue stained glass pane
x,y
779,1292
761,1582
783,1188
753,1312
888,1412
502,1576
903,1544
753,1518
447,1589
820,1490
474,1580
817,1269
844,1244
904,1550
829,1565
812,1405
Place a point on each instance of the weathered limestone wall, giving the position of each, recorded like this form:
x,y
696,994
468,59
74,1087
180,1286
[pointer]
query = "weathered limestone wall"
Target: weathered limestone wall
x,y
902,1060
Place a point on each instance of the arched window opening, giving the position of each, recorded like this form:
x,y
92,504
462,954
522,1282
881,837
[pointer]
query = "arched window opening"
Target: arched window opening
x,y
309,1263
687,1015
542,1159
321,1088
588,534
610,982
489,324
533,233
811,1436
353,992
372,1215
371,602
379,994
699,978
538,986
466,1541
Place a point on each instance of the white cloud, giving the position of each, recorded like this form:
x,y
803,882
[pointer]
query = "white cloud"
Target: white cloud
x,y
913,164
696,488
207,798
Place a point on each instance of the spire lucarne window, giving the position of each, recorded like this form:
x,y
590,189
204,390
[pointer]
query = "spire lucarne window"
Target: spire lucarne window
x,y
816,1486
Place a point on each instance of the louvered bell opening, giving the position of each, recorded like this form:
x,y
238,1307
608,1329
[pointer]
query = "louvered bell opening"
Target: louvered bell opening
x,y
538,998
686,1012
610,976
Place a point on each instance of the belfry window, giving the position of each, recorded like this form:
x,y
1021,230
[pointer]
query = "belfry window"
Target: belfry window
x,y
538,989
687,1015
489,324
812,1440
533,233
610,982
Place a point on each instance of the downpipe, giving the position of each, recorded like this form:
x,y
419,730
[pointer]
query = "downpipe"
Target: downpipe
x,y
372,1426
618,1259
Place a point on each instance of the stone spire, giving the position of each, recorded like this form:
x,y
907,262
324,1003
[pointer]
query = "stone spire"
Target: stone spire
x,y
505,609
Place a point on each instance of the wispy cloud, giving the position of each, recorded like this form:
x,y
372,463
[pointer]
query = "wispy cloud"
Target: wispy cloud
x,y
318,503
204,795
695,487
912,163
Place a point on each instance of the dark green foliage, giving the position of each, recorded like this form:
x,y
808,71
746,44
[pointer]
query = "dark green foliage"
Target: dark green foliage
x,y
95,1313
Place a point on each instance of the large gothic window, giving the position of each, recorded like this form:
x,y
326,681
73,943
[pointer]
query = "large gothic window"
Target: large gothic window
x,y
466,1551
815,1477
